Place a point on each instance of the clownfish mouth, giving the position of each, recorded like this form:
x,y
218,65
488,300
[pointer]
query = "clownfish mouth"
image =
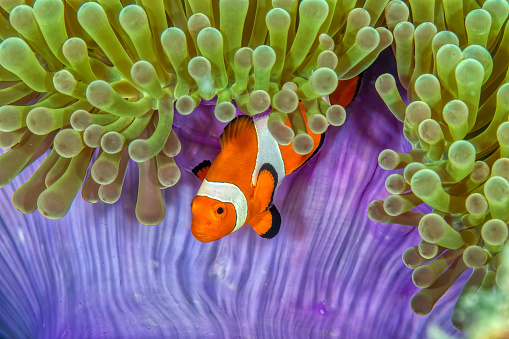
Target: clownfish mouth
x,y
205,237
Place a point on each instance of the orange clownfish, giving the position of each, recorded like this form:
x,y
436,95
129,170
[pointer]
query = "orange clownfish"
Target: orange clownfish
x,y
239,185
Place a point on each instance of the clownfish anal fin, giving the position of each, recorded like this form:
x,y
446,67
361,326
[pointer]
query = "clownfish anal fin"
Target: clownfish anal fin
x,y
265,186
201,170
235,128
267,223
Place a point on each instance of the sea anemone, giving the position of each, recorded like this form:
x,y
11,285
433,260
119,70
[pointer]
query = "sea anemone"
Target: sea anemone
x,y
98,83
453,61
330,273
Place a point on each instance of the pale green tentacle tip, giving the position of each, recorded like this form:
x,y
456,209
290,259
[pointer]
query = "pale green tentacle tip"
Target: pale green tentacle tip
x,y
313,10
367,39
173,39
494,232
200,70
475,257
144,75
90,14
303,144
318,123
385,83
259,101
496,189
99,93
455,113
80,120
64,82
209,39
285,101
358,18
104,171
10,119
462,153
133,18
283,134
143,72
336,115
327,59
22,18
264,57
388,159
186,104
430,131
68,143
75,49
197,22
278,19
9,139
17,57
169,175
140,150
112,142
469,71
503,134
225,111
324,81
478,20
41,121
396,11
425,183
51,206
482,55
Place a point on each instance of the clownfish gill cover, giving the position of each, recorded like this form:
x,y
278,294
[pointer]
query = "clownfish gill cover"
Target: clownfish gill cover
x,y
283,115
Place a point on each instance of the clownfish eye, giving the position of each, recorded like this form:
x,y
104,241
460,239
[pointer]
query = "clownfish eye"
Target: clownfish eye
x,y
218,211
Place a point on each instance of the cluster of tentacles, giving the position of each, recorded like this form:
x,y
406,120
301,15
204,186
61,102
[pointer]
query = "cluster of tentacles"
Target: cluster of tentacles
x,y
453,60
97,83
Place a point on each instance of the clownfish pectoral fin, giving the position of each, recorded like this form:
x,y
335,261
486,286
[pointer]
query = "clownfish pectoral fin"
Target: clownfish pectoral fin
x,y
201,170
265,186
346,91
267,223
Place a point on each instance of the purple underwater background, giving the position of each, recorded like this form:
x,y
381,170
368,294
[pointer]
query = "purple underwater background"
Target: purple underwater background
x,y
329,273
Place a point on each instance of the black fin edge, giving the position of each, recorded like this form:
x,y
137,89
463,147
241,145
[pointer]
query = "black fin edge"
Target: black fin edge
x,y
359,83
276,223
200,166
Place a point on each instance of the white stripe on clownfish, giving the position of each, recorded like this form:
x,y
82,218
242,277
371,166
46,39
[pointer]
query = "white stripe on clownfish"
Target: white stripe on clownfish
x,y
268,151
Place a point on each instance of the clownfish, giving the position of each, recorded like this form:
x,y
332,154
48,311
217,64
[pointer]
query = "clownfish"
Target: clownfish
x,y
238,187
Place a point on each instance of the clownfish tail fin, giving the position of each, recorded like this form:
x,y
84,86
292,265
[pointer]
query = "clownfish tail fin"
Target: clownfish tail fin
x,y
201,170
346,91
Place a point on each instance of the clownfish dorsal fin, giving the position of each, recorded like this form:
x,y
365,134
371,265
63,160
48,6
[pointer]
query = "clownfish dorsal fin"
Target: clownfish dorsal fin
x,y
235,128
265,187
267,223
201,170
346,91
